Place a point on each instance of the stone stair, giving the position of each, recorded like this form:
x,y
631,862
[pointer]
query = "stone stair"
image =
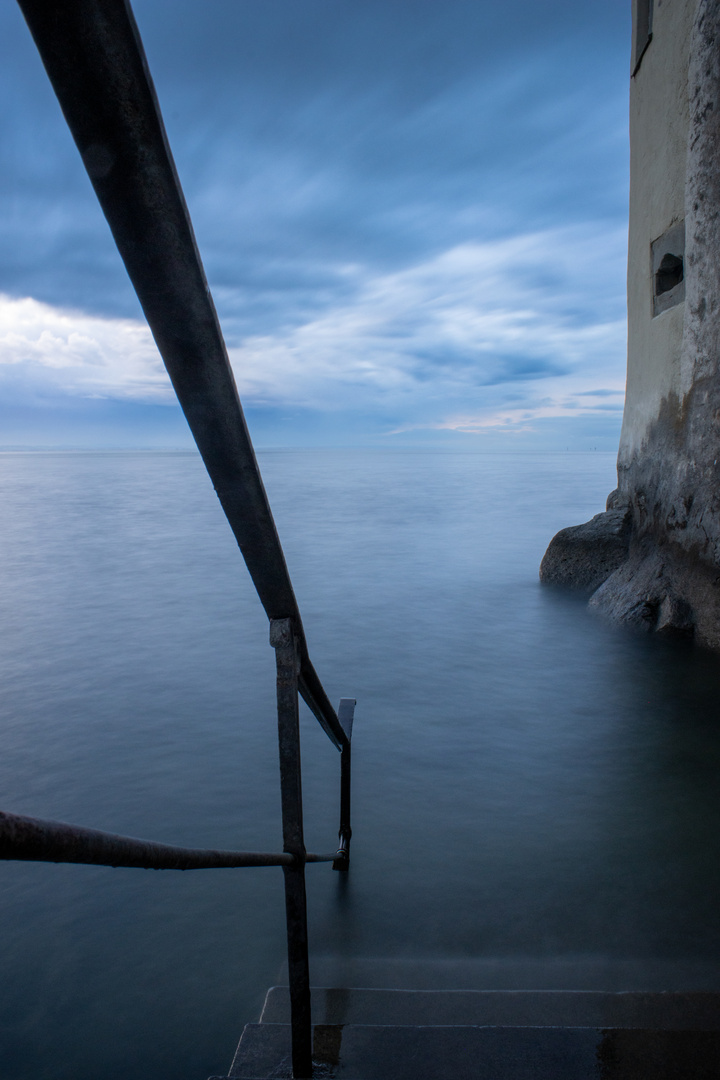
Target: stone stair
x,y
376,1033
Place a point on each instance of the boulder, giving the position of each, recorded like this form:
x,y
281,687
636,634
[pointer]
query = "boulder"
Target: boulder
x,y
582,557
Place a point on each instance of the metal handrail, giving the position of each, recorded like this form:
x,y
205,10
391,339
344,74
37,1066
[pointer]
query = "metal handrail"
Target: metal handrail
x,y
36,840
93,55
94,58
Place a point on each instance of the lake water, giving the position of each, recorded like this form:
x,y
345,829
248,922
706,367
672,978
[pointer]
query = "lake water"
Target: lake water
x,y
530,785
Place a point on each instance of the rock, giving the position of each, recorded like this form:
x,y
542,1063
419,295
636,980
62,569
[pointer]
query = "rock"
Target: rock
x,y
675,618
582,557
654,591
616,500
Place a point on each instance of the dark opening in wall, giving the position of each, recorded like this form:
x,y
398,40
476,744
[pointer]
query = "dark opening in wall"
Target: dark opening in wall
x,y
667,269
669,274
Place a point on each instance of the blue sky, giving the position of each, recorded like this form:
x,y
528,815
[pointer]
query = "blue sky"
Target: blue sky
x,y
412,214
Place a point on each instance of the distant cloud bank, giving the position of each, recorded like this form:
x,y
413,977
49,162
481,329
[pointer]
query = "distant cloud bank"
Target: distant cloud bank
x,y
481,337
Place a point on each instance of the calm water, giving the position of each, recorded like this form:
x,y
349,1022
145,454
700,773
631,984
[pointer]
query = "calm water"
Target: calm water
x,y
528,783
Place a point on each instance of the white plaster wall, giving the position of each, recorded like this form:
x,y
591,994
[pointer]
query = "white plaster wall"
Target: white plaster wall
x,y
658,142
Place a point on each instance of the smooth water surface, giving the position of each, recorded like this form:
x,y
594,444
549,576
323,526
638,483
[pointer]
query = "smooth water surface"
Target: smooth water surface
x,y
528,782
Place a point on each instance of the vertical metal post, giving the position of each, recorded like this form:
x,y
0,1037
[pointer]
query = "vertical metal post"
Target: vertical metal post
x,y
283,640
346,713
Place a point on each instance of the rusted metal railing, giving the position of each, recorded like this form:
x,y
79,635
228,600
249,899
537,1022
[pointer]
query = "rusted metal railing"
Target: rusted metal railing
x,y
94,58
34,840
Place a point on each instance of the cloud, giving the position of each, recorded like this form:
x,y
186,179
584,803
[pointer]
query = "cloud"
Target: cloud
x,y
482,336
412,225
310,135
47,352
465,326
558,405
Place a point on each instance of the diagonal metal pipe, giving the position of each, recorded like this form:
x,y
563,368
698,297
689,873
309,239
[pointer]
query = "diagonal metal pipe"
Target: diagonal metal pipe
x,y
94,58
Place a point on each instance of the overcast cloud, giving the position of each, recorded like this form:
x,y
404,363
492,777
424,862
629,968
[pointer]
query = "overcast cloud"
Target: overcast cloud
x,y
412,217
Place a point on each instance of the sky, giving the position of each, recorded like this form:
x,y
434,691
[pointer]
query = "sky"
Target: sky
x,y
412,216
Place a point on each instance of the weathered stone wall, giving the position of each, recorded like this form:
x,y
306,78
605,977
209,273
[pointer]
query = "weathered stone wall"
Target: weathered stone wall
x,y
668,465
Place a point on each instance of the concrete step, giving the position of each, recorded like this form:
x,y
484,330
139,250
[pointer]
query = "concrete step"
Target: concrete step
x,y
515,1008
573,972
371,1052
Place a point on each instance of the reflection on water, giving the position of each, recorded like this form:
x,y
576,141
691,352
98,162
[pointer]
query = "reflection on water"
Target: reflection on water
x,y
530,785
